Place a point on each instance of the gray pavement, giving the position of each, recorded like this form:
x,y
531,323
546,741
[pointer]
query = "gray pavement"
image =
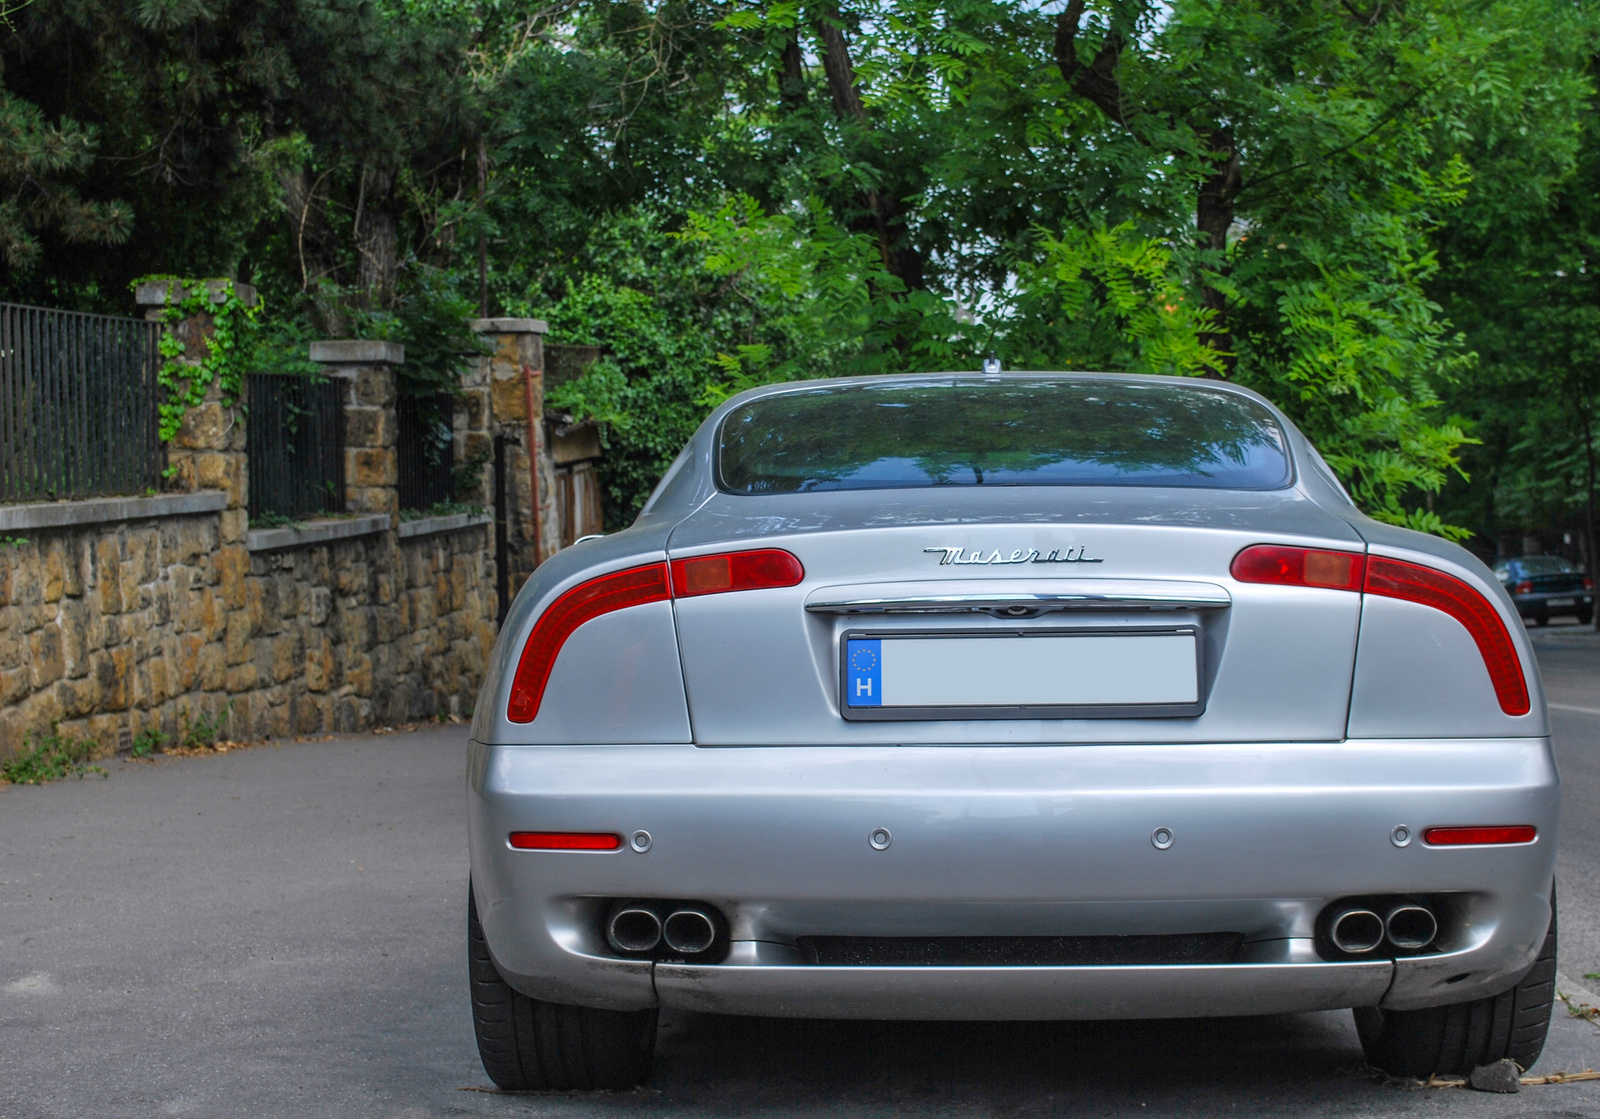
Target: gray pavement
x,y
278,931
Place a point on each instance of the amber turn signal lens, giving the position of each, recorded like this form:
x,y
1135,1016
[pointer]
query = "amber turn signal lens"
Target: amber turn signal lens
x,y
1299,567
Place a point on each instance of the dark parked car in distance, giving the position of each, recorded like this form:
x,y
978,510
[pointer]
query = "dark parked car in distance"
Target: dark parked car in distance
x,y
1547,586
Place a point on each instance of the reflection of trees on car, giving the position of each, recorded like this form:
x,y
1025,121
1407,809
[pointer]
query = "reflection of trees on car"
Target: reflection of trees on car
x,y
1074,433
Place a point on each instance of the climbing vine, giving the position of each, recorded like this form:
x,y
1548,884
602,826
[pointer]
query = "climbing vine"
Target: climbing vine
x,y
228,346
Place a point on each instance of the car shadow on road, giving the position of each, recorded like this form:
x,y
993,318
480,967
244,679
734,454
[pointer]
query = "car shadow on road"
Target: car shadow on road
x,y
999,1066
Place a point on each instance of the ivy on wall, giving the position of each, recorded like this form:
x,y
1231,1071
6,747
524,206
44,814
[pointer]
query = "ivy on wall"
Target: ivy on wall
x,y
228,346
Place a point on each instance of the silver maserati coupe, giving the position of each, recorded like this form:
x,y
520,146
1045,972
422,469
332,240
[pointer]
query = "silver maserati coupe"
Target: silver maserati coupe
x,y
1011,696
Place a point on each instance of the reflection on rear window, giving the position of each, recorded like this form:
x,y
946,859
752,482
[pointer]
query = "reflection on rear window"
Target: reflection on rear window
x,y
1000,432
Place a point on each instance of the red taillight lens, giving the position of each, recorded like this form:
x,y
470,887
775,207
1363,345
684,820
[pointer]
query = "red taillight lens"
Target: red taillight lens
x,y
1414,583
1588,583
1299,567
1523,587
616,591
565,841
1479,837
735,571
727,571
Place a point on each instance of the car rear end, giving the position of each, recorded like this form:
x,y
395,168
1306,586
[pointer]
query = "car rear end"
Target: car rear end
x,y
988,748
1546,587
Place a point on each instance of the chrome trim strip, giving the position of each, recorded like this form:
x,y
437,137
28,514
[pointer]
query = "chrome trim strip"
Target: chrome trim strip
x,y
964,596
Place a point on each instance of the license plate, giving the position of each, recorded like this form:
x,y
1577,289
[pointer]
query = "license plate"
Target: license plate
x,y
1561,602
1030,674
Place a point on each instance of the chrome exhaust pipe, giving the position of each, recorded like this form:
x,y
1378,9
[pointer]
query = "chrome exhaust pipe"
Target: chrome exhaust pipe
x,y
633,928
1356,931
1411,926
690,931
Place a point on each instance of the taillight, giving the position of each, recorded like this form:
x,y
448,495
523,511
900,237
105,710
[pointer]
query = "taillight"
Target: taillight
x,y
1588,583
735,571
1415,583
615,591
1480,837
1299,567
1523,587
1351,571
636,586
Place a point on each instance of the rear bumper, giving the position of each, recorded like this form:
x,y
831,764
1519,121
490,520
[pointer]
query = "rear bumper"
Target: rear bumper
x,y
1012,841
1539,605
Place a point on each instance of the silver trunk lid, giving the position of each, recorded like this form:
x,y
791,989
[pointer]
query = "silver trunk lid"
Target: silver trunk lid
x,y
762,667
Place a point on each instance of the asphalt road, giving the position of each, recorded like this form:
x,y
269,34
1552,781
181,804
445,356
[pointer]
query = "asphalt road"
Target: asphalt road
x,y
278,931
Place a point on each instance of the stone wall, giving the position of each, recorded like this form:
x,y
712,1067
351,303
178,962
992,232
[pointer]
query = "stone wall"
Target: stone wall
x,y
113,627
124,614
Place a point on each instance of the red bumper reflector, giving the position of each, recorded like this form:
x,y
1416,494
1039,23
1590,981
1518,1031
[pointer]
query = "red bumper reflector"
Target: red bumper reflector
x,y
1299,567
565,841
1479,837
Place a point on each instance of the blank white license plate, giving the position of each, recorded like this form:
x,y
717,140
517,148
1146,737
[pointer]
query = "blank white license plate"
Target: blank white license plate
x,y
1037,675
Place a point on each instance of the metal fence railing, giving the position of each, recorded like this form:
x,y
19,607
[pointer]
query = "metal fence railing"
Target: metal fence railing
x,y
295,440
425,448
77,405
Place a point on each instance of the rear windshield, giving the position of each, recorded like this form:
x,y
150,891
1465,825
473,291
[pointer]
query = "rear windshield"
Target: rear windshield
x,y
887,435
1545,565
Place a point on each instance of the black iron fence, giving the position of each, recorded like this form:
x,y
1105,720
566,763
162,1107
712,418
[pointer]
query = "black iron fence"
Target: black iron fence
x,y
425,448
78,399
296,445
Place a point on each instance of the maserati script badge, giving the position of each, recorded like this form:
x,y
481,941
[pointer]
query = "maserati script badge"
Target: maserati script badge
x,y
1029,555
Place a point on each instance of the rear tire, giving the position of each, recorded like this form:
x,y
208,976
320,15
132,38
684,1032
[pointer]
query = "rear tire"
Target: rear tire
x,y
528,1044
1453,1040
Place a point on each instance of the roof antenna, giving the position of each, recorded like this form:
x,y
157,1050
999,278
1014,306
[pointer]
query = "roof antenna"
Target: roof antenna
x,y
991,364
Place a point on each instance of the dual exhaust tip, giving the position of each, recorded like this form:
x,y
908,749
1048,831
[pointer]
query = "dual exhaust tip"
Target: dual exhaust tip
x,y
637,929
1406,926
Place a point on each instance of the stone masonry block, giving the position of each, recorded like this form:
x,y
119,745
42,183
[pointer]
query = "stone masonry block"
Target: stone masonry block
x,y
372,466
374,386
369,427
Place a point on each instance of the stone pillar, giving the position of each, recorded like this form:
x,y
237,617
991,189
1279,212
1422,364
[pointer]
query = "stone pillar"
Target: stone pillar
x,y
500,381
371,466
208,452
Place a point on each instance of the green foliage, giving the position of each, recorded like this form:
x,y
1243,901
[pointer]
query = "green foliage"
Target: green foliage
x,y
50,757
440,509
40,163
147,742
230,346
1109,297
201,731
1379,216
430,317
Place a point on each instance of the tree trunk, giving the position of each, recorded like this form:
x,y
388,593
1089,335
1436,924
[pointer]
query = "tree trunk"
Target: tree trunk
x,y
483,240
1213,218
792,76
377,238
887,220
1588,494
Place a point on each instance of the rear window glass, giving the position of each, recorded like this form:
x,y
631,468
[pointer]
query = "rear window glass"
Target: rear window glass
x,y
888,435
1545,565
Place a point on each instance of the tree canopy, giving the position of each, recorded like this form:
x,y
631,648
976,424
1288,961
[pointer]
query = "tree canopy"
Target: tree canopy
x,y
1376,212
